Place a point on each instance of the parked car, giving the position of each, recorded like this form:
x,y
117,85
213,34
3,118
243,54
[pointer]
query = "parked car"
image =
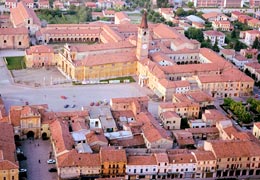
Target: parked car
x,y
19,151
21,157
51,161
63,97
73,106
66,106
52,170
22,170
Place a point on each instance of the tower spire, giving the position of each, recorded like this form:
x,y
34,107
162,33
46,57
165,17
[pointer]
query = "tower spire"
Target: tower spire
x,y
144,23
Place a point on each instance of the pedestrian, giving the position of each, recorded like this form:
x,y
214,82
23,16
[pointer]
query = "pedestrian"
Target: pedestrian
x,y
38,144
39,161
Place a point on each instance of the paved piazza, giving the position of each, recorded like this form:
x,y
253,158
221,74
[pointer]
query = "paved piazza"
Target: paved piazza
x,y
82,95
38,77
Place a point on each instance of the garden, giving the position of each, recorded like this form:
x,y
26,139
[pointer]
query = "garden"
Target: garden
x,y
15,63
243,113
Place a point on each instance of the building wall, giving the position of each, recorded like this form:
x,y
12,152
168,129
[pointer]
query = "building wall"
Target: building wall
x,y
171,123
134,170
19,41
227,89
113,168
40,60
11,174
68,172
31,124
256,132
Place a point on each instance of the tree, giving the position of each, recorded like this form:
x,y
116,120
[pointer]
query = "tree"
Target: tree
x,y
215,46
190,4
238,45
256,44
228,101
169,23
180,12
162,3
233,34
194,33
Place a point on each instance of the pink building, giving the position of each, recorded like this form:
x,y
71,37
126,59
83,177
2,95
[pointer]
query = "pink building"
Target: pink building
x,y
254,3
11,3
217,3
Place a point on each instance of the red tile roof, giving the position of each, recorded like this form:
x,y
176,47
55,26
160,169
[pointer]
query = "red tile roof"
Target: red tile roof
x,y
21,13
141,160
14,31
61,136
75,159
39,49
112,155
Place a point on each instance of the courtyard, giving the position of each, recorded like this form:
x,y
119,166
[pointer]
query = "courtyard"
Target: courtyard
x,y
39,77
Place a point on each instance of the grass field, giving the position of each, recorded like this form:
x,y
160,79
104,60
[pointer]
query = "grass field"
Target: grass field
x,y
15,63
135,18
131,79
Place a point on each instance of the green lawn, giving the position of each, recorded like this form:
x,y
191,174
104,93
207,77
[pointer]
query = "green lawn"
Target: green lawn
x,y
15,63
131,79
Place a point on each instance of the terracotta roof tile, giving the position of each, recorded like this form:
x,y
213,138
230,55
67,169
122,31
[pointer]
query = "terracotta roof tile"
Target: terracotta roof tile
x,y
75,159
111,154
141,160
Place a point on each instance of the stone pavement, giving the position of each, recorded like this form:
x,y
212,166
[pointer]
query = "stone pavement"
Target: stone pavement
x,y
34,153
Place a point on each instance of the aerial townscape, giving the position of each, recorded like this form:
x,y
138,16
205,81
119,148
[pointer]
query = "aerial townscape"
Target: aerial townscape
x,y
129,89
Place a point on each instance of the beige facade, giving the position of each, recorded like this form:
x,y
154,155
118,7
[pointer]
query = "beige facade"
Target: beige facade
x,y
14,38
183,109
256,130
39,56
26,120
217,86
170,120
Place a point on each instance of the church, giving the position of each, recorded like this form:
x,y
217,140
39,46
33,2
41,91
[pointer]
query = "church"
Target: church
x,y
105,60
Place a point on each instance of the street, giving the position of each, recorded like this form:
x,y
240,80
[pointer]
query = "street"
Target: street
x,y
37,153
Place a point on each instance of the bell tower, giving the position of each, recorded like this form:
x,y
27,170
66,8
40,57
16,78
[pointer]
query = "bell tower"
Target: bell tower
x,y
142,39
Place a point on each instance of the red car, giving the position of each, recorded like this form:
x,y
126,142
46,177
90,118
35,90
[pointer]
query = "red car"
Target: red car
x,y
63,97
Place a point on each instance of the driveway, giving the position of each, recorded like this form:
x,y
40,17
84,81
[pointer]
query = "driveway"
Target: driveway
x,y
37,153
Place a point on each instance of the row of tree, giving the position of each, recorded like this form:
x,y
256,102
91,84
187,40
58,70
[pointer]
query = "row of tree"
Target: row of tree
x,y
254,104
80,15
239,110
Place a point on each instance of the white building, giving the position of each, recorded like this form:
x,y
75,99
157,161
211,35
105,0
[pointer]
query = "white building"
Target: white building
x,y
214,36
141,167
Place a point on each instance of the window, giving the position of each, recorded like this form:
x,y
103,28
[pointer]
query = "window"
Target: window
x,y
4,41
20,43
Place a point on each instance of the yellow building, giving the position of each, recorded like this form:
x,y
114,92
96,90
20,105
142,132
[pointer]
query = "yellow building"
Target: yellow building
x,y
231,83
183,109
39,56
9,167
97,62
232,160
206,164
113,162
26,120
